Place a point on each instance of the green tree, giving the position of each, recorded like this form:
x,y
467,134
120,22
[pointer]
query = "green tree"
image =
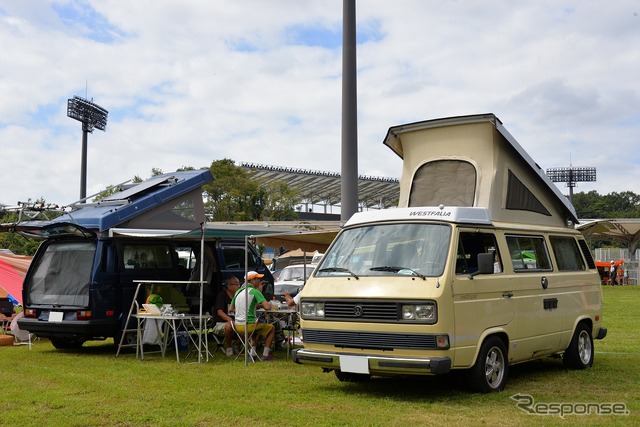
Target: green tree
x,y
234,195
15,242
592,205
281,202
589,205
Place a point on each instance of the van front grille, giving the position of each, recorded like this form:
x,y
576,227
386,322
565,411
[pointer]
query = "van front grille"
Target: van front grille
x,y
372,311
370,340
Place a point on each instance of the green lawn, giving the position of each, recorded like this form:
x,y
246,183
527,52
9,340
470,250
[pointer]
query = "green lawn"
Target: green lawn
x,y
91,387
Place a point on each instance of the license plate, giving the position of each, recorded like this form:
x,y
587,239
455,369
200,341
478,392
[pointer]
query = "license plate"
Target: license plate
x,y
55,316
354,364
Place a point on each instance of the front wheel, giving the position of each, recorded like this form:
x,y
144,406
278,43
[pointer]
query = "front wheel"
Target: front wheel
x,y
489,374
579,354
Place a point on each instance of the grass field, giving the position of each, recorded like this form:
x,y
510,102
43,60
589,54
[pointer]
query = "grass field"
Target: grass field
x,y
91,387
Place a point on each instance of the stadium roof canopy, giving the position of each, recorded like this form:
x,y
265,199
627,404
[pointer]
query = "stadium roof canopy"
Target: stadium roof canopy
x,y
625,230
317,187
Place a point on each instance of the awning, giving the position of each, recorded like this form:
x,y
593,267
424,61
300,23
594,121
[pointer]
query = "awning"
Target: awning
x,y
211,231
270,235
308,241
625,230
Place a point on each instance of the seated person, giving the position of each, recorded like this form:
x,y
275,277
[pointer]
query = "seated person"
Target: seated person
x,y
244,304
221,316
292,302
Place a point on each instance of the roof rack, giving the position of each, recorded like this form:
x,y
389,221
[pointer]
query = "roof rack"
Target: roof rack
x,y
33,210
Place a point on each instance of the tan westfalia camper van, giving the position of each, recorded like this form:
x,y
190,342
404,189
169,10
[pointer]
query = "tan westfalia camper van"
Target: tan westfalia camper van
x,y
480,267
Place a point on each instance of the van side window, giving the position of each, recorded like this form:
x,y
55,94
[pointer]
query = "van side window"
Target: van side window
x,y
528,253
472,244
567,254
147,256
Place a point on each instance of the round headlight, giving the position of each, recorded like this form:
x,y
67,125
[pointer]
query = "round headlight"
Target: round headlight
x,y
408,312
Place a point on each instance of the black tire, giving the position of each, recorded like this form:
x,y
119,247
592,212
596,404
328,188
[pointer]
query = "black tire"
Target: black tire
x,y
66,344
489,374
579,354
351,377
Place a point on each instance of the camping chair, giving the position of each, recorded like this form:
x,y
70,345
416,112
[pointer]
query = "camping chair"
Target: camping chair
x,y
243,344
219,340
20,336
207,330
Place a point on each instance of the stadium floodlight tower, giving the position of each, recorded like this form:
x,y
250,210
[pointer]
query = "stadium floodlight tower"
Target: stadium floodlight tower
x,y
92,116
571,175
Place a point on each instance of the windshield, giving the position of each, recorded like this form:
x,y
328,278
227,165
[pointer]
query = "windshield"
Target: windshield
x,y
388,250
295,274
62,275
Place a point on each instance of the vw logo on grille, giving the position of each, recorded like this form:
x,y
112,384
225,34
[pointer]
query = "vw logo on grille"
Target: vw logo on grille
x,y
357,311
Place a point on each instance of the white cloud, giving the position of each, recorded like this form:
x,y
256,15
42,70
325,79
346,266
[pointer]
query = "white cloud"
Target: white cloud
x,y
187,83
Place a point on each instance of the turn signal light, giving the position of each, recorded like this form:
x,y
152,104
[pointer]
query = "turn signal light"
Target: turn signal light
x,y
84,315
30,312
442,341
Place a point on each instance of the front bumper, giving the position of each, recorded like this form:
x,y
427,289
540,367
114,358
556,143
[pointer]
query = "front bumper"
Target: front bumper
x,y
376,365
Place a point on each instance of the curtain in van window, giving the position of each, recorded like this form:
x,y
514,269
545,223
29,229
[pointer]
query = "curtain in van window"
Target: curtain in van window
x,y
519,197
447,182
62,275
567,254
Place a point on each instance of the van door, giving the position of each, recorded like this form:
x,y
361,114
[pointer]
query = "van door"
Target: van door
x,y
480,302
539,318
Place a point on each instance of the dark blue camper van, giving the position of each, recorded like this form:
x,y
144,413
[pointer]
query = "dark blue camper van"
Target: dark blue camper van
x,y
81,282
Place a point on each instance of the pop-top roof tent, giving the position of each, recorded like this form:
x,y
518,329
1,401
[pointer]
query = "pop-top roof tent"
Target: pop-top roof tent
x,y
169,201
473,161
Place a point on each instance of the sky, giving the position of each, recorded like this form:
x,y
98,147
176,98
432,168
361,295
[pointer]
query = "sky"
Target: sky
x,y
193,81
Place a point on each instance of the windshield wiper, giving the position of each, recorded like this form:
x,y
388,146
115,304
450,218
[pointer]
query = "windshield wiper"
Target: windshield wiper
x,y
340,270
395,269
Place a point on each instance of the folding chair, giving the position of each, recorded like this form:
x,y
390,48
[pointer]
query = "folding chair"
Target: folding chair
x,y
21,337
243,344
218,339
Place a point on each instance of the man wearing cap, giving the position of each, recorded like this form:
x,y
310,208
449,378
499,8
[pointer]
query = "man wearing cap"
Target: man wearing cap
x,y
244,303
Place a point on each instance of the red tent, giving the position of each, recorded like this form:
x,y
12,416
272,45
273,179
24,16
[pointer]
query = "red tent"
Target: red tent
x,y
12,271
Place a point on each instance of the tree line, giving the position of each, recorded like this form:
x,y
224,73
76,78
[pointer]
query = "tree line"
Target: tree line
x,y
234,195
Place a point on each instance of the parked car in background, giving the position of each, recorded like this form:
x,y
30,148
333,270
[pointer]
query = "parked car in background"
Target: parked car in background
x,y
292,279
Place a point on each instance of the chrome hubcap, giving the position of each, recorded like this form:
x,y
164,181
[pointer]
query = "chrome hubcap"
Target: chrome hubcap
x,y
494,367
584,347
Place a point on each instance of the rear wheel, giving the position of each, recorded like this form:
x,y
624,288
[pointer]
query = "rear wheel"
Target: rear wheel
x,y
66,343
489,374
579,354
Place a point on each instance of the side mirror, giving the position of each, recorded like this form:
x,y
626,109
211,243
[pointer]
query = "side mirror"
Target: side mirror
x,y
485,264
